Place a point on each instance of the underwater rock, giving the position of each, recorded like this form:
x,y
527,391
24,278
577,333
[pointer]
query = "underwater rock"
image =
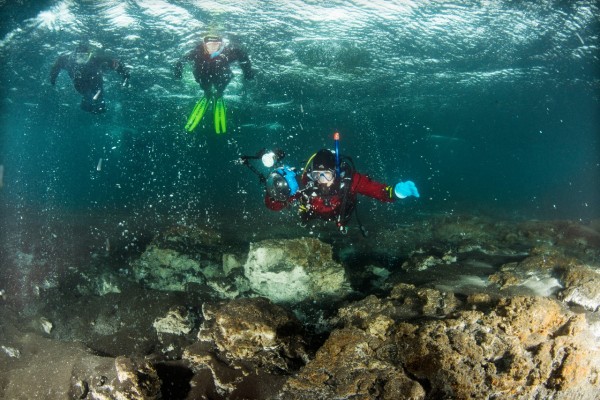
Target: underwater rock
x,y
467,234
425,301
582,287
44,325
359,360
174,331
94,281
107,284
11,351
254,331
137,380
192,262
247,342
294,270
379,275
230,287
51,369
419,261
522,348
354,364
166,269
180,257
463,234
404,302
177,322
230,263
463,228
525,348
536,272
547,272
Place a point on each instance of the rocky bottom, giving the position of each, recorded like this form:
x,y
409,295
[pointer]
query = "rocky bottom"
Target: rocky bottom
x,y
451,307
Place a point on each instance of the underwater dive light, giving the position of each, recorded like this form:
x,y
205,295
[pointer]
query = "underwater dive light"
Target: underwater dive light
x,y
270,157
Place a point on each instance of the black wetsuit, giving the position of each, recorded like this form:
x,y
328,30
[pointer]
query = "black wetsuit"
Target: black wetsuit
x,y
87,76
215,72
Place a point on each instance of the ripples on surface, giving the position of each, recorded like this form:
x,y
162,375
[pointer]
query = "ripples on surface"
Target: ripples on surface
x,y
380,39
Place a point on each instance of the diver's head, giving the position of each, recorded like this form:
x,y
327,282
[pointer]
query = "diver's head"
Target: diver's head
x,y
322,168
213,45
83,53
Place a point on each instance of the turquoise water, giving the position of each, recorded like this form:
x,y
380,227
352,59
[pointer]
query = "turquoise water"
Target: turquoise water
x,y
490,107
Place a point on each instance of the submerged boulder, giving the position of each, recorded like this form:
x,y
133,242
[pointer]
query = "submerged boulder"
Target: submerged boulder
x,y
176,258
193,260
178,321
294,270
519,348
582,287
166,269
527,347
353,364
547,272
245,343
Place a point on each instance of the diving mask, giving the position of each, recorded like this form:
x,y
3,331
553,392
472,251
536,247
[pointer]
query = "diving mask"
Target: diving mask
x,y
321,176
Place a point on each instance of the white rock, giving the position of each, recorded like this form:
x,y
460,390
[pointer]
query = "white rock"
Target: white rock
x,y
582,297
46,325
294,270
173,323
106,286
230,262
544,286
11,351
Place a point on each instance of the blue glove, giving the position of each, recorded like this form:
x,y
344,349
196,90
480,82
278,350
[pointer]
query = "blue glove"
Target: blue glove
x,y
405,189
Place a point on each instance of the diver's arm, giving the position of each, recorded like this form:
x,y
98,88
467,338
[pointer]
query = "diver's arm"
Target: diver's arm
x,y
120,68
106,61
362,184
178,69
59,64
240,55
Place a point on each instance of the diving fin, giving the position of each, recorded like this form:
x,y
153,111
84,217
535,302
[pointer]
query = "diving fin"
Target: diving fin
x,y
197,114
220,116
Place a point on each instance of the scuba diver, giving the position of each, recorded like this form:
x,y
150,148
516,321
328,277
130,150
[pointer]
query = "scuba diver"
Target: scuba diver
x,y
85,66
211,60
327,188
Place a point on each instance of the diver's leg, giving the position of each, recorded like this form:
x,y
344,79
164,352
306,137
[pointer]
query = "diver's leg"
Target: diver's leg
x,y
220,109
221,82
206,86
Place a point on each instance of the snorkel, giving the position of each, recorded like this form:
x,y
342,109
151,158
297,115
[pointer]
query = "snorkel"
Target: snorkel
x,y
214,39
336,139
216,53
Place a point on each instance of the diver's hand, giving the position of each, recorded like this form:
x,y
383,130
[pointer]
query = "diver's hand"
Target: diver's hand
x,y
405,189
125,82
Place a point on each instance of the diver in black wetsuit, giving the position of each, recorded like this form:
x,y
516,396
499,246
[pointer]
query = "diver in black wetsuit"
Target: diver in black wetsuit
x,y
85,66
212,58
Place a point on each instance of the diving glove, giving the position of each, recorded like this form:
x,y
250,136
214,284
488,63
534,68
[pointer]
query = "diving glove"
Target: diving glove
x,y
405,189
